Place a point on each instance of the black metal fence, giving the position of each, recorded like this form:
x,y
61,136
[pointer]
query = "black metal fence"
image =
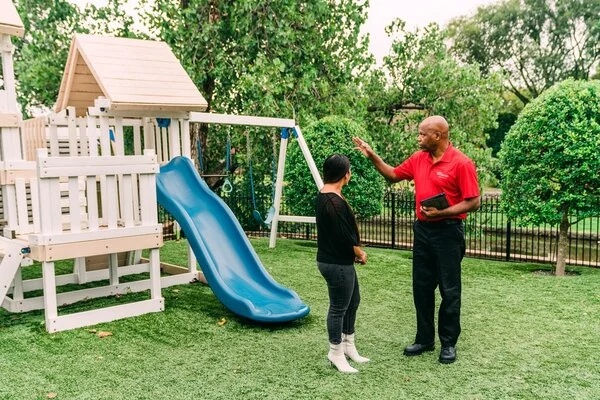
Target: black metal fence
x,y
489,233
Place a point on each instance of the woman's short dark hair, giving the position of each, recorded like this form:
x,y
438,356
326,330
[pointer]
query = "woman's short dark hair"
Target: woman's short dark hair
x,y
335,167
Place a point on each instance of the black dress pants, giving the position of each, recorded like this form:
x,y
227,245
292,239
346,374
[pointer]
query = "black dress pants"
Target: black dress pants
x,y
437,253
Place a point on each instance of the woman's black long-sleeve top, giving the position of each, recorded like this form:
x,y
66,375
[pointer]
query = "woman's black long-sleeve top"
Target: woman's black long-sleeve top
x,y
337,232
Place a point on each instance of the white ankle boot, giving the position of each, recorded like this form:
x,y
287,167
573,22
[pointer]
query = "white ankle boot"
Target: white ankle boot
x,y
350,349
338,359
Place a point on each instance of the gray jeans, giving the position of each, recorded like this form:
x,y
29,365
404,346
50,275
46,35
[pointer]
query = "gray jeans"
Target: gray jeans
x,y
344,298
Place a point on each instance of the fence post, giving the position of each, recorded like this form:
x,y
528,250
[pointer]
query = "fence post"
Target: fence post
x,y
508,229
393,220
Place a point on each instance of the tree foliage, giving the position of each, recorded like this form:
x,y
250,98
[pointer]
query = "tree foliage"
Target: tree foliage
x,y
536,43
496,135
325,137
421,72
550,157
281,58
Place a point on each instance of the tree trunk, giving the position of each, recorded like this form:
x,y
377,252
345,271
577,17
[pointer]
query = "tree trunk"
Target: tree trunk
x,y
563,243
194,132
524,99
202,129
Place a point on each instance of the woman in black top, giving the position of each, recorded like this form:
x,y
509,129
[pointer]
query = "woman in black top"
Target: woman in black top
x,y
338,248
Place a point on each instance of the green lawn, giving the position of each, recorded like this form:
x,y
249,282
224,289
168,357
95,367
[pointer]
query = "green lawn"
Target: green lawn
x,y
525,336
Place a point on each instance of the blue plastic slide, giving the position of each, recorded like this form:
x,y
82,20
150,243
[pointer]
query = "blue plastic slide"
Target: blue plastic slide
x,y
229,263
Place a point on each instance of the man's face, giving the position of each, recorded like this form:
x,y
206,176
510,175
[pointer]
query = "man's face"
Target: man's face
x,y
427,138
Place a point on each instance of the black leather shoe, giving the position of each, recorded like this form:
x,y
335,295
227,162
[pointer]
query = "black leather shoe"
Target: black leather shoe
x,y
415,349
448,355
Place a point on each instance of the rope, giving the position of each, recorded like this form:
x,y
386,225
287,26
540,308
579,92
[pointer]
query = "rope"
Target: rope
x,y
252,186
227,154
271,211
250,170
227,186
274,165
255,213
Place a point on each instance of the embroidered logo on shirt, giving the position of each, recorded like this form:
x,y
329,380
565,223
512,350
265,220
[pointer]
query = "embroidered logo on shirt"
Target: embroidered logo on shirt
x,y
442,175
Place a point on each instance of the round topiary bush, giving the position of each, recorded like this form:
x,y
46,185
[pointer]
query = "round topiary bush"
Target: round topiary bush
x,y
550,160
325,137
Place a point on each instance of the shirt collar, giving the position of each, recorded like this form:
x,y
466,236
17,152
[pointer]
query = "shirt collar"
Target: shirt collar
x,y
448,154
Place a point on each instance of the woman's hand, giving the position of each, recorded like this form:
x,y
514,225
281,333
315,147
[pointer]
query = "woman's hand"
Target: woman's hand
x,y
360,256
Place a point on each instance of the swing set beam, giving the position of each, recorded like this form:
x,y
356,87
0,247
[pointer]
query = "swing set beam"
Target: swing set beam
x,y
229,119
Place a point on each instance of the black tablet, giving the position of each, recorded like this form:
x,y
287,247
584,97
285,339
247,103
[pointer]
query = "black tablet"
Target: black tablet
x,y
438,201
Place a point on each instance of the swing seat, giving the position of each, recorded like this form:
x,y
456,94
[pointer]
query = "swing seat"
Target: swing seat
x,y
256,215
270,215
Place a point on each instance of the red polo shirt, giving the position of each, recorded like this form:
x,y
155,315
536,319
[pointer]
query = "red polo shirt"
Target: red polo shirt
x,y
454,174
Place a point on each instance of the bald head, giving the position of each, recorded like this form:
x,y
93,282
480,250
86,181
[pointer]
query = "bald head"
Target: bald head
x,y
433,135
436,123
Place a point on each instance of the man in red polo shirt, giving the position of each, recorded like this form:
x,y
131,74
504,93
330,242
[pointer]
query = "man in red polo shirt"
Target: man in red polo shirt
x,y
439,239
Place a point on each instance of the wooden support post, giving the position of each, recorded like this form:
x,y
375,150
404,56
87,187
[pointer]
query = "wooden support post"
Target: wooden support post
x,y
174,139
17,294
72,127
192,263
185,138
80,270
162,138
50,306
278,189
137,141
309,160
92,134
113,264
155,292
83,139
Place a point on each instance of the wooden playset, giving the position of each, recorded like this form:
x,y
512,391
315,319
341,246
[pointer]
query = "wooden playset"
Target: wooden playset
x,y
80,184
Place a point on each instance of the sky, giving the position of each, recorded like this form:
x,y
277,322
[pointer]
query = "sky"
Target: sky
x,y
416,13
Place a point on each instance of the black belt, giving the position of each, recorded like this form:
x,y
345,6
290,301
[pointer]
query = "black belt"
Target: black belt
x,y
447,221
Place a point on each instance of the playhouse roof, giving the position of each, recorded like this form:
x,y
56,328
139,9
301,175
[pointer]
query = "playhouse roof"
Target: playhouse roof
x,y
133,74
10,22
